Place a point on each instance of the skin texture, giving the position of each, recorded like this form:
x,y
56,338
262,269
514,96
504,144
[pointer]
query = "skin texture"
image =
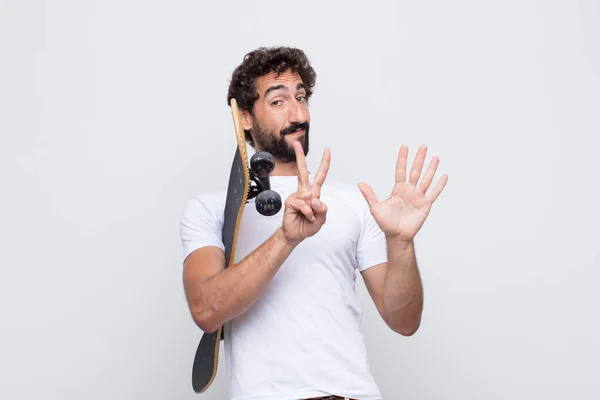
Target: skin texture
x,y
394,286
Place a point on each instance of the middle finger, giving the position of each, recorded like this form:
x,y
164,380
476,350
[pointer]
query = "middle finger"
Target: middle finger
x,y
301,165
322,173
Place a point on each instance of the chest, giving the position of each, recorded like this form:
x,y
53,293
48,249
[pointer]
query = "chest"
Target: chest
x,y
332,250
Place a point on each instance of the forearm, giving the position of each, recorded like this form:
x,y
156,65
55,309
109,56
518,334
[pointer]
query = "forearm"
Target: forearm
x,y
403,290
233,291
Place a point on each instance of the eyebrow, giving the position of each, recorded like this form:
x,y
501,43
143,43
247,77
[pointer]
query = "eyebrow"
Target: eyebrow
x,y
273,88
281,86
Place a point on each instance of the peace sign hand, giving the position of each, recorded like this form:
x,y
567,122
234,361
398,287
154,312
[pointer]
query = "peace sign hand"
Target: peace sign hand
x,y
304,212
403,213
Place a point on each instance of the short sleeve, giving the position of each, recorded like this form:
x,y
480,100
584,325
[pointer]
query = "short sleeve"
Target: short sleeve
x,y
201,225
371,246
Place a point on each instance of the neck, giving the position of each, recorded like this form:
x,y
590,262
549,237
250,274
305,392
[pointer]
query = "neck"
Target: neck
x,y
284,169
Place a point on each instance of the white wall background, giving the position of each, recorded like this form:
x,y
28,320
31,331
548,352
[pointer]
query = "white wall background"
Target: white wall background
x,y
113,114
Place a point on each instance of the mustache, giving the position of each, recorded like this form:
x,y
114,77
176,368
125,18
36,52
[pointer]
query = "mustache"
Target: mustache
x,y
295,127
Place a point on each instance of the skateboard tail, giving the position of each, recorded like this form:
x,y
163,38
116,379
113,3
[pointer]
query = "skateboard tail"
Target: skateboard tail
x,y
206,361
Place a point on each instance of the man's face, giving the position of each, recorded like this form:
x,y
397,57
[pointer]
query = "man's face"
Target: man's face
x,y
281,115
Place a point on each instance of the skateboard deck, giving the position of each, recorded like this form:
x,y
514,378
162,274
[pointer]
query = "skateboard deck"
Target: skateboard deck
x,y
206,359
244,184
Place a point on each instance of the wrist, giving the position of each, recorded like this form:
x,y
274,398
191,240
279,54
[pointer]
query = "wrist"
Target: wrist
x,y
280,237
399,241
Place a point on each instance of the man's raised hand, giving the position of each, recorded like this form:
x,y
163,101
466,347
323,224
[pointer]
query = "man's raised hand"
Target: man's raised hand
x,y
403,213
304,212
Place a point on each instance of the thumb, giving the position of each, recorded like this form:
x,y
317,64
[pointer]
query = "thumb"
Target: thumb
x,y
368,193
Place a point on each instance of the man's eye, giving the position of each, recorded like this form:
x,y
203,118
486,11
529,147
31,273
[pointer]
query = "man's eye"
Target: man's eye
x,y
301,98
276,103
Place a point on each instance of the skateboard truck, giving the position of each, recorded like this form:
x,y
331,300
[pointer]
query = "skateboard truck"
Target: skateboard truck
x,y
268,202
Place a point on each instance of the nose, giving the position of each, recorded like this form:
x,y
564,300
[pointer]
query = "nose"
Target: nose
x,y
298,113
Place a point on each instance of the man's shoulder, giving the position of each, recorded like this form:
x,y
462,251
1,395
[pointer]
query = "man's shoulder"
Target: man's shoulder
x,y
211,197
208,201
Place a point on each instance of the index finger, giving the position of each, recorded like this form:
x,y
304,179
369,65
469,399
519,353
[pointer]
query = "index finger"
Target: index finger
x,y
301,165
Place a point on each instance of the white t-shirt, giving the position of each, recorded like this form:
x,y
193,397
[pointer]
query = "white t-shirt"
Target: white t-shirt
x,y
302,338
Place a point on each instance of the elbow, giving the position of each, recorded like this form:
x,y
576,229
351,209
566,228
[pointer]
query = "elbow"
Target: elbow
x,y
404,321
405,327
205,320
407,330
207,326
208,313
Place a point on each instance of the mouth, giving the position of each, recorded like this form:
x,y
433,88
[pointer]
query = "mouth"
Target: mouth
x,y
296,133
301,129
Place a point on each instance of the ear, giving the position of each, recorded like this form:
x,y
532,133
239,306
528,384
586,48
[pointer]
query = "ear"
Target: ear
x,y
247,120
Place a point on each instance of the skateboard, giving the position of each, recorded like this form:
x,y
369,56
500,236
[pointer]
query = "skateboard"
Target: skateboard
x,y
244,184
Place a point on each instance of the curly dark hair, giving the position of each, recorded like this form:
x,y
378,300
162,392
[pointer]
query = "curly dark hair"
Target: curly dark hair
x,y
260,62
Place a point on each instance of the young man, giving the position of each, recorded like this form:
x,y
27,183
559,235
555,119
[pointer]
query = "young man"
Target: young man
x,y
291,319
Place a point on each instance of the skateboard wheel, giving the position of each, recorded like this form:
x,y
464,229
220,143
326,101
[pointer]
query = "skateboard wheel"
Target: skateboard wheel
x,y
262,163
268,202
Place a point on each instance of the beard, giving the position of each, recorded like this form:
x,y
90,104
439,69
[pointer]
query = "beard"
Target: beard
x,y
277,145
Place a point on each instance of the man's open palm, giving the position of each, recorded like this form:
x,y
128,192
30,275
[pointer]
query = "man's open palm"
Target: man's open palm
x,y
403,213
